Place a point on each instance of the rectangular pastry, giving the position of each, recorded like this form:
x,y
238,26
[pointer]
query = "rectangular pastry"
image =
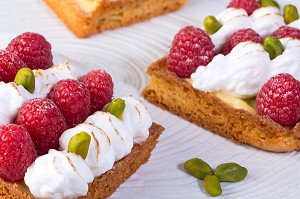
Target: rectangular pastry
x,y
215,112
87,17
237,76
84,149
106,184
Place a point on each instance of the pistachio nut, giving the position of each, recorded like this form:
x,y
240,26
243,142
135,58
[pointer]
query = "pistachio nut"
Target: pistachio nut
x,y
79,144
212,185
116,108
273,46
290,13
211,25
230,172
265,3
198,168
25,77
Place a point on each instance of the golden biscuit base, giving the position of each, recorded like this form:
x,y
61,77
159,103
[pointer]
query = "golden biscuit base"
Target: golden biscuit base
x,y
107,183
177,95
87,17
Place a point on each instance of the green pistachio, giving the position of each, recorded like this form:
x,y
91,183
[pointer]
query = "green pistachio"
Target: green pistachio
x,y
198,168
273,46
79,144
211,25
265,3
116,108
230,172
290,13
212,185
25,77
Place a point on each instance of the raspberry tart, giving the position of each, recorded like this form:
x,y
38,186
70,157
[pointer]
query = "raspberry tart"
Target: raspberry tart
x,y
64,136
237,76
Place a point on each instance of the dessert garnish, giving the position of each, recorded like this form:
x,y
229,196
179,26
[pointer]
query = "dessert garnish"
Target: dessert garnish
x,y
266,3
290,13
116,108
240,36
226,172
279,99
80,144
212,185
230,172
25,77
198,168
17,152
73,100
191,47
33,49
287,31
58,174
44,122
273,46
250,5
10,64
211,25
100,85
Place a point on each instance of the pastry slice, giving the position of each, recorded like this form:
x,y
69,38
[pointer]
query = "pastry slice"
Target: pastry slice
x,y
248,94
218,112
91,158
106,184
87,17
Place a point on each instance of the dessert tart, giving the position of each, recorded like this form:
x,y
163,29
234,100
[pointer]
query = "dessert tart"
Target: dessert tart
x,y
237,76
87,17
107,183
64,136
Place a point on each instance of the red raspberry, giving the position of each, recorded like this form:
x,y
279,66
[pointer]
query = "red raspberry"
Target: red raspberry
x,y
101,88
73,100
44,122
17,152
33,49
10,64
248,5
279,99
191,48
239,36
286,31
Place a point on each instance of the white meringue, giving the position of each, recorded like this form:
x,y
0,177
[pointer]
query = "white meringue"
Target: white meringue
x,y
120,137
264,21
12,97
237,73
137,119
58,175
46,79
100,156
289,60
